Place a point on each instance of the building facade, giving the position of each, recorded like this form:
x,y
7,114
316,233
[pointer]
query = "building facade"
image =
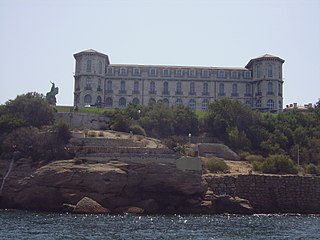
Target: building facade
x,y
97,82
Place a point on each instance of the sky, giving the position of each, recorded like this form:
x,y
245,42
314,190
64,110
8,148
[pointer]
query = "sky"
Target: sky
x,y
39,37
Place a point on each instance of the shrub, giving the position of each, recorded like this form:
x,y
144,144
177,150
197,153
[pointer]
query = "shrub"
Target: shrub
x,y
313,169
138,130
254,158
278,164
216,165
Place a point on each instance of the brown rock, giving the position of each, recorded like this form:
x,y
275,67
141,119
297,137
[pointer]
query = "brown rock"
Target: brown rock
x,y
233,205
87,205
135,210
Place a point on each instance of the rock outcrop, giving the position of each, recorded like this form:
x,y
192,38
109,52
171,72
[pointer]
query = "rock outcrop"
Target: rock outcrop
x,y
87,205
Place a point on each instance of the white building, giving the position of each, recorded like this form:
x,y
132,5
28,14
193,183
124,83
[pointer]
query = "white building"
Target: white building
x,y
97,82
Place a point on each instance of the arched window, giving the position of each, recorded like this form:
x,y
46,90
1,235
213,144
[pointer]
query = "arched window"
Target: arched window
x,y
122,102
204,105
179,87
87,99
248,102
205,88
179,102
152,87
234,90
192,89
259,88
88,65
248,90
258,104
122,86
109,102
192,104
152,101
166,102
270,104
269,70
221,89
165,88
136,101
270,88
99,100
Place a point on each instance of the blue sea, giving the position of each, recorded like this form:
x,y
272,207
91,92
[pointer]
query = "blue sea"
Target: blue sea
x,y
33,225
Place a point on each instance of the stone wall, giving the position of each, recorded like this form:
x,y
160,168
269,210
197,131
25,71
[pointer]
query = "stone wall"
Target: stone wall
x,y
271,194
83,120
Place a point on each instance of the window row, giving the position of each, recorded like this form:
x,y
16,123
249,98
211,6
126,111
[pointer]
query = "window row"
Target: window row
x,y
155,72
270,104
89,66
268,72
88,101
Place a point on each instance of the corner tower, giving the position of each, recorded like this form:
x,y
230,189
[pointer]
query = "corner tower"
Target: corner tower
x,y
267,83
89,77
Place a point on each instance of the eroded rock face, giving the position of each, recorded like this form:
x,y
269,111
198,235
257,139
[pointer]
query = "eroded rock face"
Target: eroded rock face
x,y
154,187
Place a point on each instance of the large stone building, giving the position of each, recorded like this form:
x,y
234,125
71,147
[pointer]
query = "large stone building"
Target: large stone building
x,y
97,82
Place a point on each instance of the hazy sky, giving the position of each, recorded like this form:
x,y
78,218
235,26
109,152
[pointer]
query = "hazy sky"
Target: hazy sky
x,y
38,39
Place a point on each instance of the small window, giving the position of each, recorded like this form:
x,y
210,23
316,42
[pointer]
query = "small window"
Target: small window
x,y
258,71
136,101
178,72
259,88
152,87
109,85
192,104
205,89
166,72
179,102
100,67
192,73
99,100
204,105
235,74
136,71
247,74
192,88
123,71
122,102
221,74
89,65
109,102
269,70
87,99
136,86
258,104
166,102
165,88
270,88
248,90
110,70
152,72
179,88
270,104
205,73
88,84
234,90
221,89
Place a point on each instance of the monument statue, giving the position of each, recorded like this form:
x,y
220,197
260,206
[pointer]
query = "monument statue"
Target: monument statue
x,y
51,96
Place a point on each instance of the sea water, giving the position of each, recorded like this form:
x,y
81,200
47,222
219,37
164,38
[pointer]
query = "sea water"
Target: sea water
x,y
33,225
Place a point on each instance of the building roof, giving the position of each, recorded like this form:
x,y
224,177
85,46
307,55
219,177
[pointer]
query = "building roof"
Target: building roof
x,y
261,57
175,67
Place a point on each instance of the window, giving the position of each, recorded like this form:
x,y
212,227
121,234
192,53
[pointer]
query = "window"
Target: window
x,y
280,105
99,85
280,89
248,90
234,90
109,86
136,101
136,87
136,71
258,89
270,104
166,72
122,102
258,104
122,87
205,89
248,102
221,74
235,74
99,100
221,89
165,88
269,70
247,74
204,105
179,87
88,84
205,73
280,72
270,88
109,102
192,104
178,72
179,102
192,73
152,101
192,89
166,102
258,71
152,72
87,99
152,87
88,65
110,70
123,71
100,67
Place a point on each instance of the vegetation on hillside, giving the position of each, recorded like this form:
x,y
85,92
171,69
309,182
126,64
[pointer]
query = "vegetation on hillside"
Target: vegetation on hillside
x,y
22,123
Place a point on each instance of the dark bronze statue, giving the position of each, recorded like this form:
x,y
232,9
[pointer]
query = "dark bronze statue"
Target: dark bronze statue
x,y
51,96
